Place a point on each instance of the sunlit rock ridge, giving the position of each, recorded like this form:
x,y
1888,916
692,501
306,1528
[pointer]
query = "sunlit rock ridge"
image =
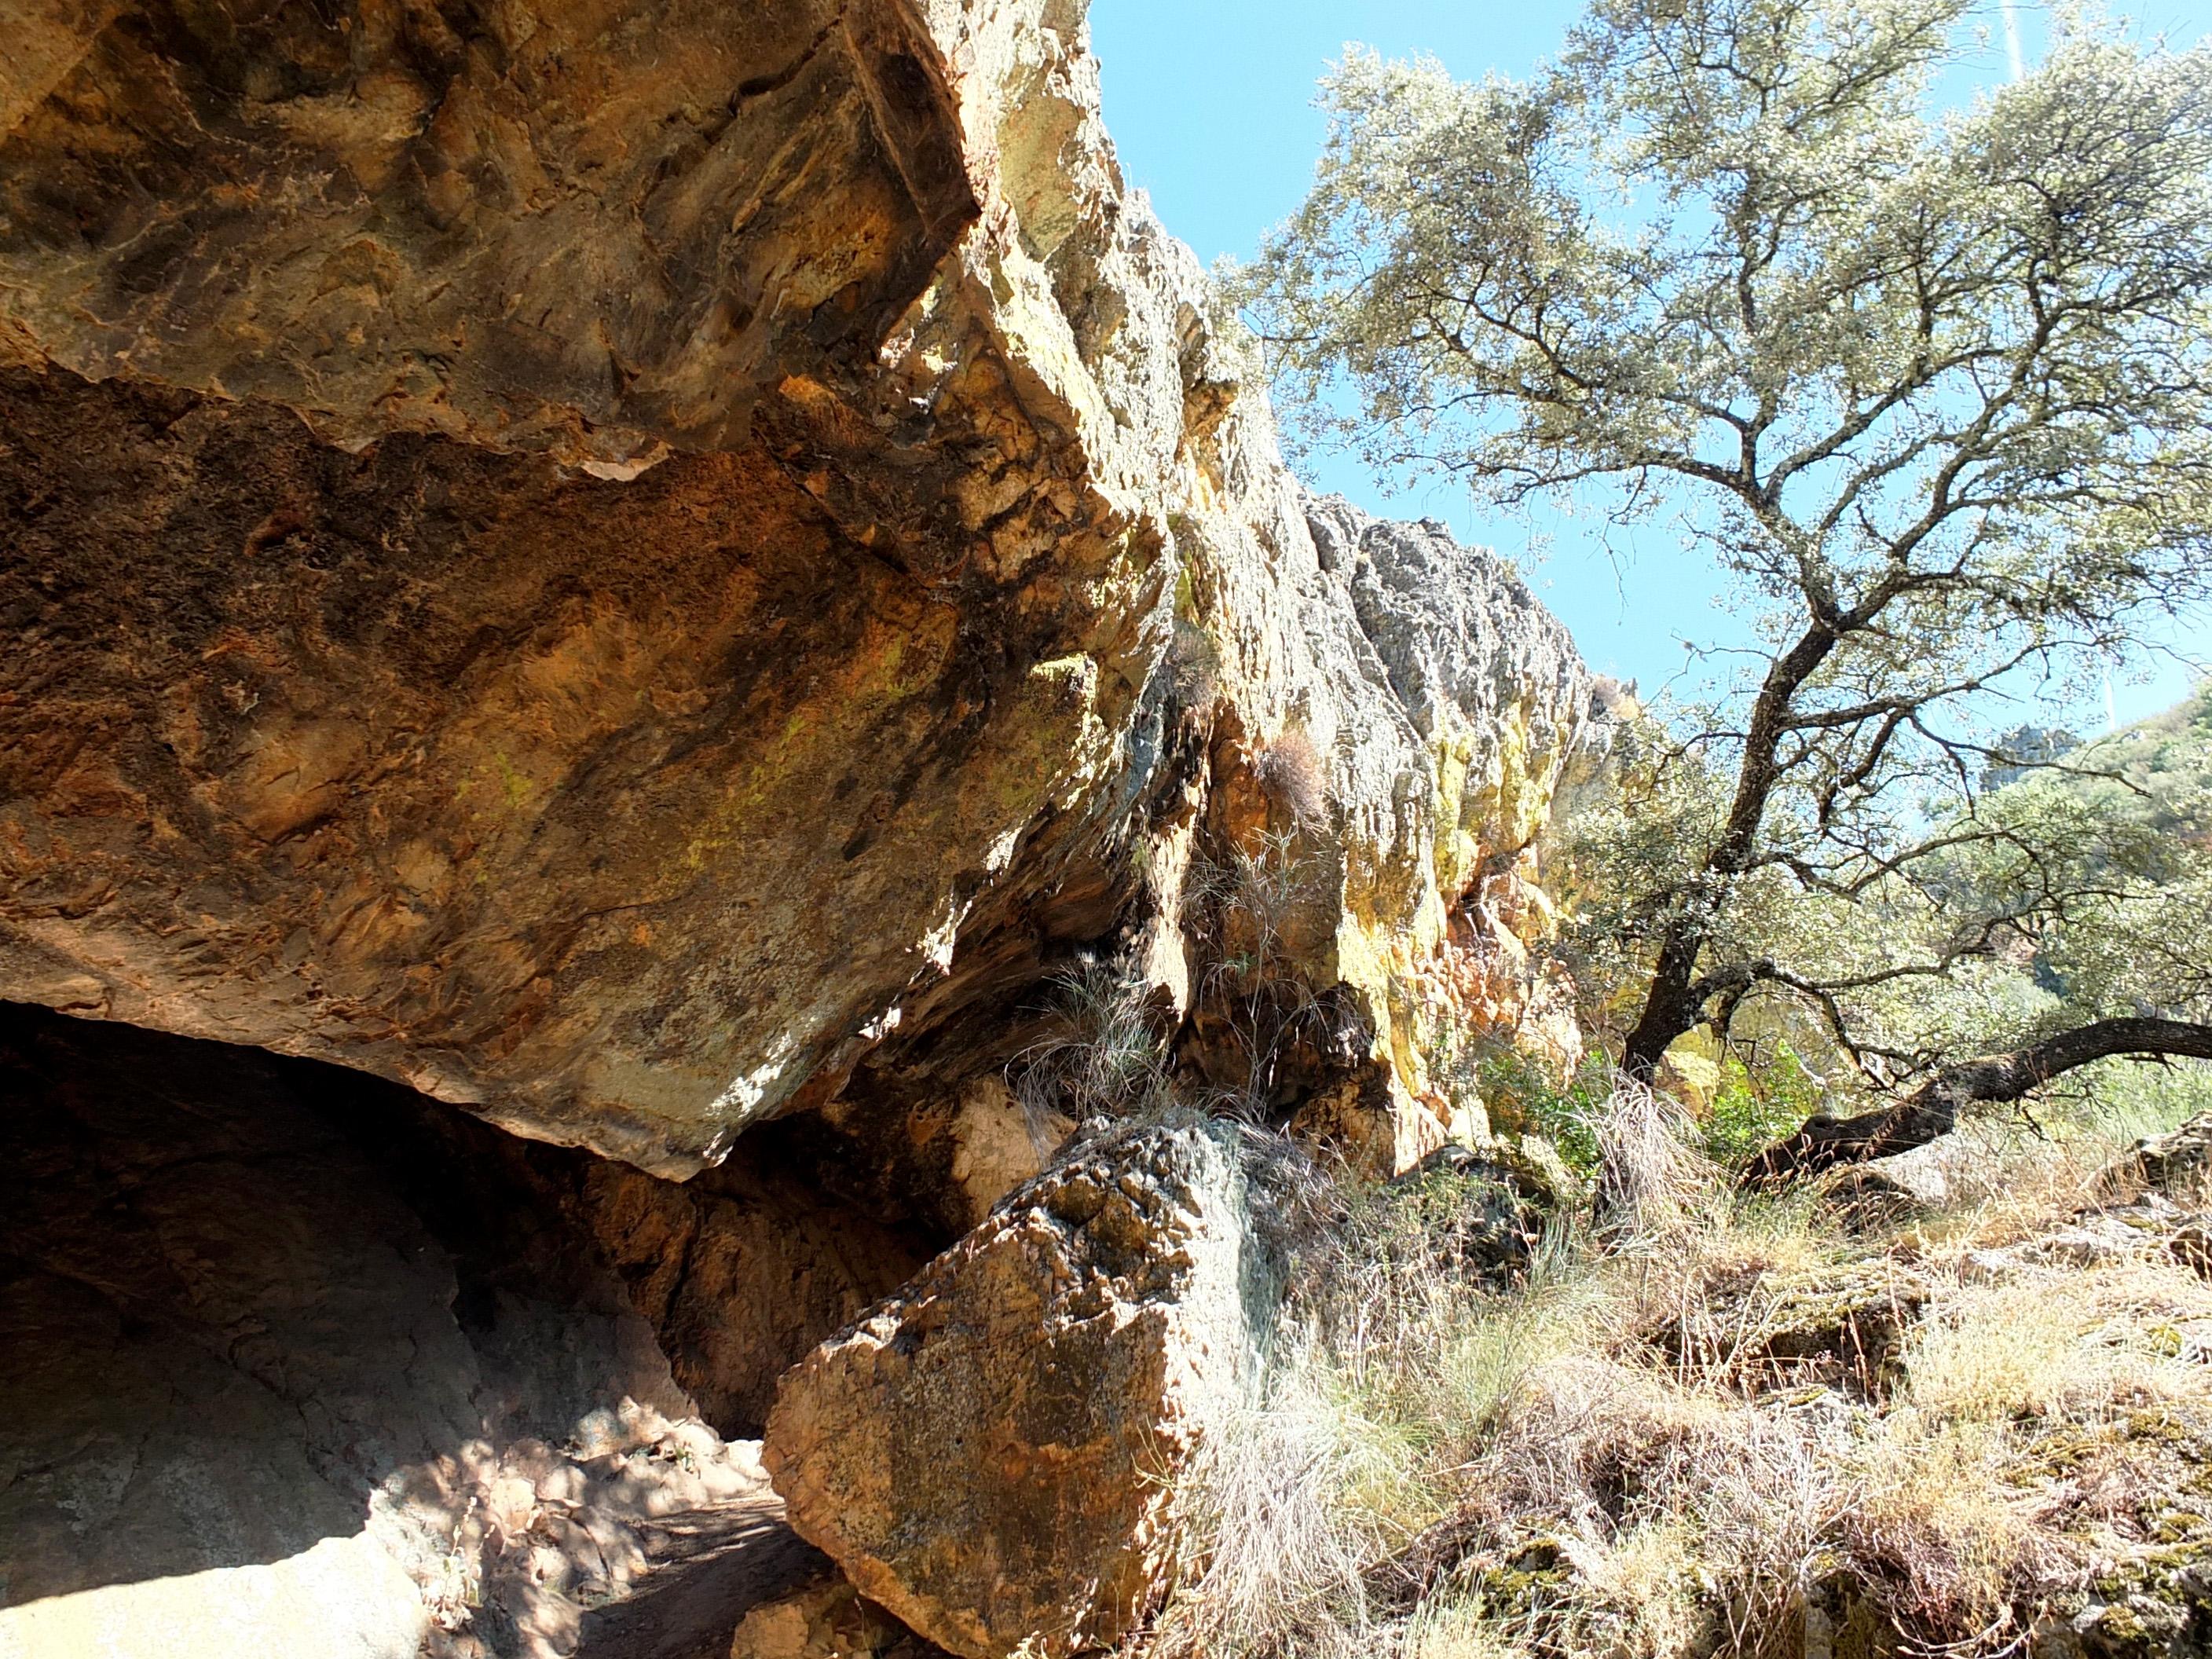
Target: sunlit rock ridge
x,y
649,565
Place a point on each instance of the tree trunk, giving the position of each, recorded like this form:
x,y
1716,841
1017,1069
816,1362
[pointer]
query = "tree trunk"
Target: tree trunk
x,y
1669,1009
1670,1005
1932,1109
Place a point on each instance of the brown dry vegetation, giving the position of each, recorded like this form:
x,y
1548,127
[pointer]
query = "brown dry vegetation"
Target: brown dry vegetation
x,y
1290,769
1965,1426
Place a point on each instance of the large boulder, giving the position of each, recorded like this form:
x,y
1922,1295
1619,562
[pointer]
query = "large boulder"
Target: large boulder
x,y
623,562
991,1454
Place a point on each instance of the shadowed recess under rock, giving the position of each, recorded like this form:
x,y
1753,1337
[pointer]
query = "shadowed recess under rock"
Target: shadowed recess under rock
x,y
292,1360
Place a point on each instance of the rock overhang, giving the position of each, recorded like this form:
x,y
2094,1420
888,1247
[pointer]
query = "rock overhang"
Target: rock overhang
x,y
633,573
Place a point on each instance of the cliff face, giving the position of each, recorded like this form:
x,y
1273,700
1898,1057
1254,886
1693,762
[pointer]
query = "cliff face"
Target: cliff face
x,y
643,566
661,572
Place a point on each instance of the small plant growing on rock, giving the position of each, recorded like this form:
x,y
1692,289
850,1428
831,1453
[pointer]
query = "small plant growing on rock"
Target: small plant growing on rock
x,y
1193,667
1104,1055
1290,769
1256,1014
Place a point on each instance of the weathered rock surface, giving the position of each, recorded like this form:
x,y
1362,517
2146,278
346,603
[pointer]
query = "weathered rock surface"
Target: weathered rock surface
x,y
2178,1164
368,701
2153,1200
596,230
992,1453
1497,698
740,1271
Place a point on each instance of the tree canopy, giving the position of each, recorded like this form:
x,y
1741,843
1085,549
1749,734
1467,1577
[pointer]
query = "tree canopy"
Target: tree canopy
x,y
1932,383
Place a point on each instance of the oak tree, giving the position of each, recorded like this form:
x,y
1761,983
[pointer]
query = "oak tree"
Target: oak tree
x,y
1928,375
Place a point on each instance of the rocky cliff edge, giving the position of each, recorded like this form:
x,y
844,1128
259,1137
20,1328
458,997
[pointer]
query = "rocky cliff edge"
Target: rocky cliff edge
x,y
647,565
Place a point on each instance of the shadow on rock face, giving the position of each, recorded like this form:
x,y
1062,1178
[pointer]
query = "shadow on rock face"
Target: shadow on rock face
x,y
290,1355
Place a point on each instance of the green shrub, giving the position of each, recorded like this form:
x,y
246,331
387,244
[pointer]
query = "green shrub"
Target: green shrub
x,y
1521,1093
1755,1108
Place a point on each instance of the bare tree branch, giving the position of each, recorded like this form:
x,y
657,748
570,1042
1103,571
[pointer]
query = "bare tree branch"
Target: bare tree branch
x,y
1933,1109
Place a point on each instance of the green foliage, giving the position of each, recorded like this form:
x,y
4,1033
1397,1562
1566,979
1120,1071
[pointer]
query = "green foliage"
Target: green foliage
x,y
1758,1103
2123,1101
1520,1091
1765,1091
2079,892
1636,835
2160,771
1732,225
2100,868
1933,386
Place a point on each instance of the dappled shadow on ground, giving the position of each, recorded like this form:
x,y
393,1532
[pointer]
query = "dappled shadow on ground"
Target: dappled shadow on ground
x,y
286,1358
710,1568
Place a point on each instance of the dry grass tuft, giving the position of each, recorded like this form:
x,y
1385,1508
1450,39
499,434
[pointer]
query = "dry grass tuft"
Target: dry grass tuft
x,y
1935,1521
1706,1411
1290,769
1649,1177
1104,1051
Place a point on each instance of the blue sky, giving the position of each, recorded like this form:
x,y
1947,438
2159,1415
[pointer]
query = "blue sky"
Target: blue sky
x,y
1211,105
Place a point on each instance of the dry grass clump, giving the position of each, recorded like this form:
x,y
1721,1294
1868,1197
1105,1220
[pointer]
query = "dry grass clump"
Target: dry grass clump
x,y
1703,1412
1103,1051
1935,1521
1391,1384
1290,769
2066,1345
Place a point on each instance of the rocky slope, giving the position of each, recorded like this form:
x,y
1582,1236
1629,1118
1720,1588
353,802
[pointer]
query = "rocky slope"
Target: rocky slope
x,y
670,574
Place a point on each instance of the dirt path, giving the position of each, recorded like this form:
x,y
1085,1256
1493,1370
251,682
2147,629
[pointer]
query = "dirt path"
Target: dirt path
x,y
710,1568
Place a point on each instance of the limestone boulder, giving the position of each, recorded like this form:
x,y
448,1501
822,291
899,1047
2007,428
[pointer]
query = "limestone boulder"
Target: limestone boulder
x,y
643,566
1485,677
991,1455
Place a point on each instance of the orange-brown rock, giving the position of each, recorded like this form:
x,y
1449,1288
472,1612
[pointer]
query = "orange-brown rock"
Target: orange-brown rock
x,y
618,560
991,1454
825,1617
